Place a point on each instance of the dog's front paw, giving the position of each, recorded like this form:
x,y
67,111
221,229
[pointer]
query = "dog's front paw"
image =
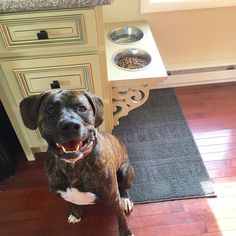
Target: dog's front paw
x,y
128,205
73,219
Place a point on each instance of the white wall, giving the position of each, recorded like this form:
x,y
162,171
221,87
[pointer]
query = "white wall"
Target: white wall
x,y
192,38
122,10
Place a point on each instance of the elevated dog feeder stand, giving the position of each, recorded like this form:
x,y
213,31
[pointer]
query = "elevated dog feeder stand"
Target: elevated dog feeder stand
x,y
130,88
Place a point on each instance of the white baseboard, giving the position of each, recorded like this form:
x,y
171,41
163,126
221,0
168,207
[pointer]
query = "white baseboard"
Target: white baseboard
x,y
197,78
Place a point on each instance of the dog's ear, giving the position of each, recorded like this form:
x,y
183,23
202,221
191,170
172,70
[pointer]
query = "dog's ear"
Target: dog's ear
x,y
97,106
29,109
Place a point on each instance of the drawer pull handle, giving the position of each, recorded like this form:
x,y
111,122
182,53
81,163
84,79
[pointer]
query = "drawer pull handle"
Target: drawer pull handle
x,y
43,34
55,84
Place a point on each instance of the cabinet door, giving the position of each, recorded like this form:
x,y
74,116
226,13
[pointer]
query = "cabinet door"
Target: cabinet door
x,y
28,77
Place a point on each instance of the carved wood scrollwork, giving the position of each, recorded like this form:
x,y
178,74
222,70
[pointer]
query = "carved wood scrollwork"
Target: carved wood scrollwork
x,y
125,99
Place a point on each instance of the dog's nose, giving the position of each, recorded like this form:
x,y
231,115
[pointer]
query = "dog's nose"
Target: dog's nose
x,y
70,126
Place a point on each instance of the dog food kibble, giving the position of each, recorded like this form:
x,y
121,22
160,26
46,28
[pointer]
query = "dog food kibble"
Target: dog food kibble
x,y
132,62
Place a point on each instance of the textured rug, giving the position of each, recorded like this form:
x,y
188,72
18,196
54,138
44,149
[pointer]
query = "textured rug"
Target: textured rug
x,y
162,150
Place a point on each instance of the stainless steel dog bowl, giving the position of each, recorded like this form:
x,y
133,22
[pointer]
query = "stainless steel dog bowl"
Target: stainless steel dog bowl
x,y
131,59
125,35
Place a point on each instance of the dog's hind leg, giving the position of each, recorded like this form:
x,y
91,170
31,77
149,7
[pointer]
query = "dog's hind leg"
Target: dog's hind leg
x,y
125,178
75,214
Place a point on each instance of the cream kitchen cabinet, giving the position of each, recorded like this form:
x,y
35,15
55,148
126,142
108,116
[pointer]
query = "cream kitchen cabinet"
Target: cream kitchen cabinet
x,y
51,50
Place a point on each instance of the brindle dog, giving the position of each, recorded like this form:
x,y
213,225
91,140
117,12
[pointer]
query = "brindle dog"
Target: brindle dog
x,y
83,165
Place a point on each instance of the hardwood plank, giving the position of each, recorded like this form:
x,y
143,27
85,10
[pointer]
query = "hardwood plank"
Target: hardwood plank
x,y
217,148
162,220
157,208
219,173
210,88
214,134
214,156
177,230
223,224
220,164
225,233
216,141
211,124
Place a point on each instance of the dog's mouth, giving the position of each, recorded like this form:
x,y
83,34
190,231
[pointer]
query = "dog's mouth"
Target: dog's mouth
x,y
75,149
71,146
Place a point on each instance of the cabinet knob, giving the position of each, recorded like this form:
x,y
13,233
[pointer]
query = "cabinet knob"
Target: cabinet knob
x,y
43,34
55,84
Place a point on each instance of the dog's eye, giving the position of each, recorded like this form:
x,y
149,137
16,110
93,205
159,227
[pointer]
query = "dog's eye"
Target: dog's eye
x,y
82,109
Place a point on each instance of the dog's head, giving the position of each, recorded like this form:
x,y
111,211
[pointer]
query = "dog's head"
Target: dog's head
x,y
66,120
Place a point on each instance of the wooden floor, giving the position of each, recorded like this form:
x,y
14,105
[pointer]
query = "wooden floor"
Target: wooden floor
x,y
27,208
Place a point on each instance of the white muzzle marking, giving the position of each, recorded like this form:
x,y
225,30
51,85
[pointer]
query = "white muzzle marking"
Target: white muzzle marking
x,y
73,195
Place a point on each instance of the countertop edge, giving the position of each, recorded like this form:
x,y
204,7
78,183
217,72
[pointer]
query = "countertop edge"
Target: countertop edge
x,y
21,6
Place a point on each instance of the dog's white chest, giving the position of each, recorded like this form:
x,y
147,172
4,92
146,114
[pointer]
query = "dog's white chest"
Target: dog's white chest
x,y
75,196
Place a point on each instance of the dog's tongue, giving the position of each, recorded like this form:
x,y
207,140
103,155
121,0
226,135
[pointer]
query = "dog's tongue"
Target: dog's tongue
x,y
72,145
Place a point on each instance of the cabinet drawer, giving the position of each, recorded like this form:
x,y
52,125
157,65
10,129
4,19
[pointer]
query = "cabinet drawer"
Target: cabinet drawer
x,y
29,77
53,30
37,80
46,30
